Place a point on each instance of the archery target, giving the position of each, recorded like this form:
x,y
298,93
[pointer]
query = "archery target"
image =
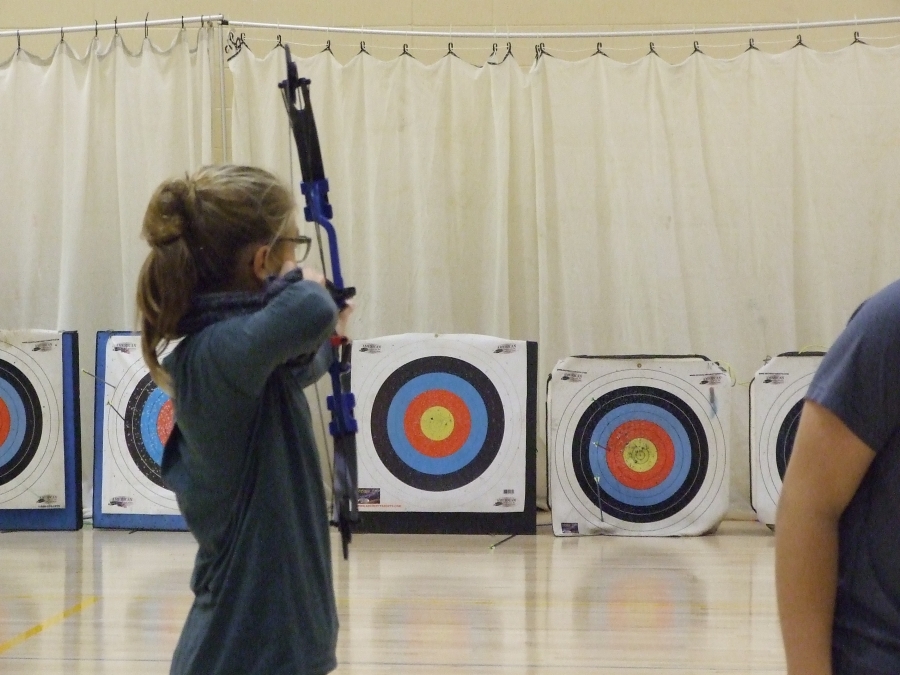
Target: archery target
x,y
137,420
32,456
637,446
442,423
776,401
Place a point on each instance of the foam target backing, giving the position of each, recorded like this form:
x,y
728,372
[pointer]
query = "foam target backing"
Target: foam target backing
x,y
447,428
636,445
776,401
40,433
133,420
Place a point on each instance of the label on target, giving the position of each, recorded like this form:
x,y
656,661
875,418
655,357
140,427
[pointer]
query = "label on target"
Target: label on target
x,y
442,423
134,420
776,401
636,446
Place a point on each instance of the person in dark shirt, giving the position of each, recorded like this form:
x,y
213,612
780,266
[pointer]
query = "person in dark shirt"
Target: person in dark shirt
x,y
222,274
838,524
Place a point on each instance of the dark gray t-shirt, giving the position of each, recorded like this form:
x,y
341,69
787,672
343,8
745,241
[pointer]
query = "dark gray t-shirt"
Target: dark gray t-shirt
x,y
859,381
246,473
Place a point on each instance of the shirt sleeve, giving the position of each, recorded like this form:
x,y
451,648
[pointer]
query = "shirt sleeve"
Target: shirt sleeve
x,y
246,350
859,378
310,372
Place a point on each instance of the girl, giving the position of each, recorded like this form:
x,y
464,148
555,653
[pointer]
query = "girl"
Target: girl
x,y
242,461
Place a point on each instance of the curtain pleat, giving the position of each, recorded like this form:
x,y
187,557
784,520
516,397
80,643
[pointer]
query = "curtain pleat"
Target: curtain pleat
x,y
86,140
736,209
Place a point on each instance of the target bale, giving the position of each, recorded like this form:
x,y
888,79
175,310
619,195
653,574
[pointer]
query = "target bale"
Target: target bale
x,y
776,401
40,431
447,433
133,420
636,445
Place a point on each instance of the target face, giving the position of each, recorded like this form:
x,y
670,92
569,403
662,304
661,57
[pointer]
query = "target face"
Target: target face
x,y
641,452
437,423
776,395
149,419
138,419
31,442
21,422
638,450
442,421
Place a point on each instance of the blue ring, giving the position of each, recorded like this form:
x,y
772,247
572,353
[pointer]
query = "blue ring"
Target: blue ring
x,y
17,422
149,417
437,466
650,413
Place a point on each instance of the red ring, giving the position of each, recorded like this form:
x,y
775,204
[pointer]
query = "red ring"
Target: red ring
x,y
412,423
165,421
5,422
615,459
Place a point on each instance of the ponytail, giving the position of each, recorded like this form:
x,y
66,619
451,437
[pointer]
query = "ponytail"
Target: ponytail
x,y
196,227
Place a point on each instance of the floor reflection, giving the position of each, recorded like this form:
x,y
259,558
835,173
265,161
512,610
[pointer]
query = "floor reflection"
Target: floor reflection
x,y
421,604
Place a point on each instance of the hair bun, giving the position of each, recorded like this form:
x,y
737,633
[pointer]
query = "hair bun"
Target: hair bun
x,y
170,212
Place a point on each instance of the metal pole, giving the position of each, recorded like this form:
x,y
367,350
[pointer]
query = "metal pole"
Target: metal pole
x,y
221,32
711,30
214,18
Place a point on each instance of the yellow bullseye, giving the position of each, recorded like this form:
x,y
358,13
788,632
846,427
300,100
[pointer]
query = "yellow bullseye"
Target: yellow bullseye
x,y
640,455
437,423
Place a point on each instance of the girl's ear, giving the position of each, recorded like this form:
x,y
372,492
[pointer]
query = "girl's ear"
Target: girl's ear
x,y
260,261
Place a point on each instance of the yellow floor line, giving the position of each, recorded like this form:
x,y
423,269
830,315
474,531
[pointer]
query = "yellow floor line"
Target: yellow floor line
x,y
52,621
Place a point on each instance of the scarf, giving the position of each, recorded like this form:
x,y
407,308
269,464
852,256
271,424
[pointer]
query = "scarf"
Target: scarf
x,y
210,308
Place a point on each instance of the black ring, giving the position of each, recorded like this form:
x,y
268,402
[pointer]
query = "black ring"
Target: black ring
x,y
134,439
493,438
784,445
34,422
581,446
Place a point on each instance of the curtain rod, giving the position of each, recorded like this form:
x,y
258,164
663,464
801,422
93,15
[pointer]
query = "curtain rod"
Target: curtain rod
x,y
183,21
711,30
220,18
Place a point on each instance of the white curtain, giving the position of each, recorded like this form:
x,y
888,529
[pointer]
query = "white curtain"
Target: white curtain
x,y
431,181
735,209
430,176
85,141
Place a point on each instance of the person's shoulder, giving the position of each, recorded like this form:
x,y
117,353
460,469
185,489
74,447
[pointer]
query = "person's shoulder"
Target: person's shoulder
x,y
880,309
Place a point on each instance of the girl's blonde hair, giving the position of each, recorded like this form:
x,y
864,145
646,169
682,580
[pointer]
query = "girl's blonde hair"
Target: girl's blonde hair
x,y
196,227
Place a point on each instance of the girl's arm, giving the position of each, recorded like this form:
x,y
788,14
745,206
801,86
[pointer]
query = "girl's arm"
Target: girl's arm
x,y
310,372
246,350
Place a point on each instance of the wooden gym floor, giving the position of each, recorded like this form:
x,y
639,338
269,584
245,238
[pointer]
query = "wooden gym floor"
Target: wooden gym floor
x,y
104,602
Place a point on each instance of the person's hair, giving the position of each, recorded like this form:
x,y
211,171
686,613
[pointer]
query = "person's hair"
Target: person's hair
x,y
196,227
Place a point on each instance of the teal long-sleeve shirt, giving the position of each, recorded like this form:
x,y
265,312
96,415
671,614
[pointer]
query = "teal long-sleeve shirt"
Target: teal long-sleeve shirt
x,y
244,468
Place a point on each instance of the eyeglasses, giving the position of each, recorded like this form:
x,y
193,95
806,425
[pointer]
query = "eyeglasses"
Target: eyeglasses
x,y
301,243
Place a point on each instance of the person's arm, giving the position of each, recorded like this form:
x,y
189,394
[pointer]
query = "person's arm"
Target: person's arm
x,y
827,464
245,350
309,373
